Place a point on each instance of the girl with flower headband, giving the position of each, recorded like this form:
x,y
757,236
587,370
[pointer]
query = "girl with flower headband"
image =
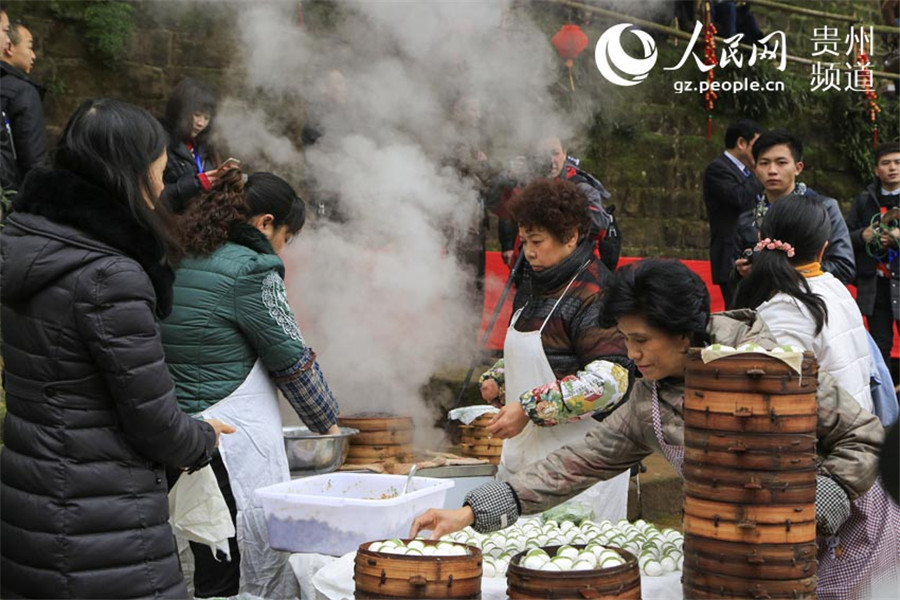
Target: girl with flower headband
x,y
803,305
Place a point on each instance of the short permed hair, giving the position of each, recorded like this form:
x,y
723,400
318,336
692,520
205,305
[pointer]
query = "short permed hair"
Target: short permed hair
x,y
552,204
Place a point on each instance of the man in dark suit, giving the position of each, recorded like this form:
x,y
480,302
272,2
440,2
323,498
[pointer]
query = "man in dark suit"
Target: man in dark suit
x,y
729,188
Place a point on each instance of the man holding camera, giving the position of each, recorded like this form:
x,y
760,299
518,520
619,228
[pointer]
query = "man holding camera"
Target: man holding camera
x,y
779,159
876,241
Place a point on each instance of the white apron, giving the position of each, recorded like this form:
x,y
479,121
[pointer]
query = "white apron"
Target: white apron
x,y
527,367
254,457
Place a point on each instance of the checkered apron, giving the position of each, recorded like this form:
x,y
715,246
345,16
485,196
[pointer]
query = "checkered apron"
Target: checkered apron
x,y
864,562
673,454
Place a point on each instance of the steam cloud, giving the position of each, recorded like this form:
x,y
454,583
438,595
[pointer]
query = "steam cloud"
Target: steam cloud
x,y
379,297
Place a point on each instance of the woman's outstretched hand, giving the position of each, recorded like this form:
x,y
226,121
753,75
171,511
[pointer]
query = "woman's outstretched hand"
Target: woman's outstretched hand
x,y
441,521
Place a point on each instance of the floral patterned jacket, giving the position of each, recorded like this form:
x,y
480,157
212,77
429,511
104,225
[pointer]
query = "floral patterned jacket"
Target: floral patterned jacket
x,y
595,391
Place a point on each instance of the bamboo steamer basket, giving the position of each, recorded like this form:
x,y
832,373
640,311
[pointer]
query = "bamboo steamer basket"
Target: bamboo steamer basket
x,y
760,561
749,477
381,437
476,442
749,404
698,584
386,437
752,460
750,423
379,452
757,493
377,422
795,443
768,524
751,373
380,575
622,582
721,484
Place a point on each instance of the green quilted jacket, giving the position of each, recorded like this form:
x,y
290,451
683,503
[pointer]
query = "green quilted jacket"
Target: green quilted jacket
x,y
230,309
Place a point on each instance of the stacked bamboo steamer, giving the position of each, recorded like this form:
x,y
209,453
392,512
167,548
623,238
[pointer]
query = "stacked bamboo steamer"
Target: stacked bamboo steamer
x,y
476,442
381,437
622,582
750,477
380,575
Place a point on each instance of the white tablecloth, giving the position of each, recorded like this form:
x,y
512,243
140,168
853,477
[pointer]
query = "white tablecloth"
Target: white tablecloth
x,y
328,578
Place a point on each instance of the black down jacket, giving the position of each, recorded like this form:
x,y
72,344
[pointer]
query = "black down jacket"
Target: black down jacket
x,y
92,417
26,149
181,175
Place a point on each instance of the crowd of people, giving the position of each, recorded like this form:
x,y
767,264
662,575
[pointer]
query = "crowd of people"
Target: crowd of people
x,y
147,336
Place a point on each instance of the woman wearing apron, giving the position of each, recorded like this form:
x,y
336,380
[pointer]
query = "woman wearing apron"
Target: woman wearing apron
x,y
662,308
231,342
554,333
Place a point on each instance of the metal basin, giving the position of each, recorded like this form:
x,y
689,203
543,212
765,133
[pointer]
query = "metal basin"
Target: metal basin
x,y
309,453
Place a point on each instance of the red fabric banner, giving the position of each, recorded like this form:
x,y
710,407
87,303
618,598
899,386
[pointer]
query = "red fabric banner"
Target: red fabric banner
x,y
497,273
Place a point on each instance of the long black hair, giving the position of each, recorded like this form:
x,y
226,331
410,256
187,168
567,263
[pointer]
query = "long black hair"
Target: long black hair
x,y
269,194
188,97
665,292
112,144
803,223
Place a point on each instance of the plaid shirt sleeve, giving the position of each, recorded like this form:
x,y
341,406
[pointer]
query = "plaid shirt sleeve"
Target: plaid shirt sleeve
x,y
832,505
305,387
495,506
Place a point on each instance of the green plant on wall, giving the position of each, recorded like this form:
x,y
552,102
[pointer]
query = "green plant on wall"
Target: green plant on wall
x,y
853,130
107,25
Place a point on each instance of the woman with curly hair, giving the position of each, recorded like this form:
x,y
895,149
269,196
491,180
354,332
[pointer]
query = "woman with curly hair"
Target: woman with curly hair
x,y
554,333
231,343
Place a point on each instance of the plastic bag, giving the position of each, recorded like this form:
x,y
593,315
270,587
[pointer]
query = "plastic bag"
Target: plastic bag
x,y
576,512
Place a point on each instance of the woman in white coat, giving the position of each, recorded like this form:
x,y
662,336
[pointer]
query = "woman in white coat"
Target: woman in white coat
x,y
803,305
553,334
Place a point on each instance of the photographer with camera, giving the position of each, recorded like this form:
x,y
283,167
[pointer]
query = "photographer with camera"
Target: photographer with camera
x,y
876,240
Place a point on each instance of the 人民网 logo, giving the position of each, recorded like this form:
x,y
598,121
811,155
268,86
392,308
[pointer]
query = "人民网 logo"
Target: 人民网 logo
x,y
616,65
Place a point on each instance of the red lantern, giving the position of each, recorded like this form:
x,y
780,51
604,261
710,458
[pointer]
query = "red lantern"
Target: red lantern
x,y
569,41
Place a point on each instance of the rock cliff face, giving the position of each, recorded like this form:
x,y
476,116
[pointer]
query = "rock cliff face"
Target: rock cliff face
x,y
647,143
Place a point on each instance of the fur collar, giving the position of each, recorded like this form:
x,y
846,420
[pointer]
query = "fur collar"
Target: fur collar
x,y
247,235
67,199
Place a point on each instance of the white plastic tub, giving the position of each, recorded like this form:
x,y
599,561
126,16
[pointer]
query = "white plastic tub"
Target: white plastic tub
x,y
336,512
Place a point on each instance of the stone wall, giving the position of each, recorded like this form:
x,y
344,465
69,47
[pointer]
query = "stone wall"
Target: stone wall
x,y
169,42
650,149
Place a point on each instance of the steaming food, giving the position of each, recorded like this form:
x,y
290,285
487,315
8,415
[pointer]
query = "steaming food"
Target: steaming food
x,y
658,551
418,548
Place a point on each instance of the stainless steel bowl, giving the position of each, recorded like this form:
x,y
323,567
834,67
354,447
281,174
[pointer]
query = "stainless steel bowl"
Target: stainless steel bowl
x,y
309,453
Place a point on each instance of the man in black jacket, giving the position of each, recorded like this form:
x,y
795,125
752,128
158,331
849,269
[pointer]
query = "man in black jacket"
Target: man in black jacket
x,y
729,188
23,144
877,282
779,159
